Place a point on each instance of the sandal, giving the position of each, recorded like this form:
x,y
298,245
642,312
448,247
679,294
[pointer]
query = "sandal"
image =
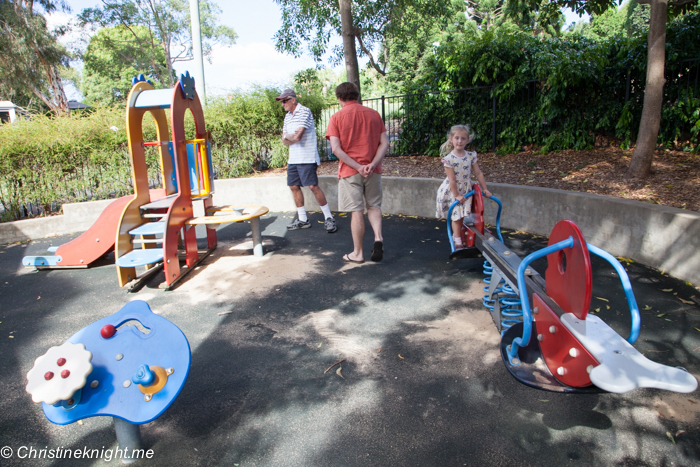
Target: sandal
x,y
377,252
347,259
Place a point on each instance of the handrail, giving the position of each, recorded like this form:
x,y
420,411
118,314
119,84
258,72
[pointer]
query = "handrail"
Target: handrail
x,y
498,217
626,285
524,302
449,219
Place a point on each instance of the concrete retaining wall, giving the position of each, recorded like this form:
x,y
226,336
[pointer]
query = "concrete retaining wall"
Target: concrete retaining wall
x,y
658,236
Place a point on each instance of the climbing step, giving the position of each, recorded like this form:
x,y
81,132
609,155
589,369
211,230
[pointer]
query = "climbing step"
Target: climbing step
x,y
162,203
153,215
140,257
149,228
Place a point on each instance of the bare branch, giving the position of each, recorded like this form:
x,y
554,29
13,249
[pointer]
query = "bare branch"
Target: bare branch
x,y
358,35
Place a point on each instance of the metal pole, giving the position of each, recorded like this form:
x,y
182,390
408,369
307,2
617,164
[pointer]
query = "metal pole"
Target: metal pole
x,y
128,438
197,51
383,117
493,127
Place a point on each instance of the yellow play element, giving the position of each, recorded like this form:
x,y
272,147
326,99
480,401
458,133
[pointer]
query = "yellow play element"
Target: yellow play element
x,y
224,214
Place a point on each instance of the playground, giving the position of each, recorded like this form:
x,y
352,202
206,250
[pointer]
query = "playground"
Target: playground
x,y
422,381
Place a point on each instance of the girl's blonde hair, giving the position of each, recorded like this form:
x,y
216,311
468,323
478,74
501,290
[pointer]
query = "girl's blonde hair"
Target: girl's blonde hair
x,y
447,146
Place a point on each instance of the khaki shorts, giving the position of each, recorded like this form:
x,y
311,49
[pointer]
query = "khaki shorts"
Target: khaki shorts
x,y
355,193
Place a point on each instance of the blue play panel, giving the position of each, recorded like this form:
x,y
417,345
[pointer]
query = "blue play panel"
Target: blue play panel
x,y
149,228
117,360
140,257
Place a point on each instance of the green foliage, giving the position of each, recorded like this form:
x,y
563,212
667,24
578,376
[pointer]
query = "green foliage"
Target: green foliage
x,y
30,54
45,162
558,93
168,25
113,58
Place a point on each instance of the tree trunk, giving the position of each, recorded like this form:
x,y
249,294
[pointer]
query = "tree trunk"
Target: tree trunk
x,y
348,29
640,166
59,94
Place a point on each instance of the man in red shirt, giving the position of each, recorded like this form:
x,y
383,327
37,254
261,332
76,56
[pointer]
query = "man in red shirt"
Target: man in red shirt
x,y
358,138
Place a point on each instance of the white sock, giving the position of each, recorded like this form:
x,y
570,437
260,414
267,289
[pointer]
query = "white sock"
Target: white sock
x,y
326,211
301,213
457,240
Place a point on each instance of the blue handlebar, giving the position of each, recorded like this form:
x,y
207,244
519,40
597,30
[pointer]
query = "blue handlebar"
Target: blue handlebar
x,y
524,302
449,219
498,217
626,285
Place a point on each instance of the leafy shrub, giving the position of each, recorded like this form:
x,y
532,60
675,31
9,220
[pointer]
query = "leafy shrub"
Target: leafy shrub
x,y
554,92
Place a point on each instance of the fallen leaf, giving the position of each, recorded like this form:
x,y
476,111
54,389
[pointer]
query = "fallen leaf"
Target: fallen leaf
x,y
647,307
338,372
661,315
697,329
679,432
688,302
225,313
379,350
670,436
604,299
319,345
666,290
39,297
401,357
597,310
607,307
544,400
80,422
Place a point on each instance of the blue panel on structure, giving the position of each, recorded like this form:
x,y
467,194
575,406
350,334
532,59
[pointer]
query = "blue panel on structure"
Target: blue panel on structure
x,y
161,98
39,261
192,169
164,345
149,228
140,257
173,176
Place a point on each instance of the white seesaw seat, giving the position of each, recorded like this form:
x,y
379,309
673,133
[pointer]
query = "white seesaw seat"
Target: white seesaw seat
x,y
622,368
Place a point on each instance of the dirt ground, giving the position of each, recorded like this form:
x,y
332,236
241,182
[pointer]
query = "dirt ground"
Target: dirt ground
x,y
675,179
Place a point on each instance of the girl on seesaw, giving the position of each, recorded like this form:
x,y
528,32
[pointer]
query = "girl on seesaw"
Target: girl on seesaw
x,y
459,167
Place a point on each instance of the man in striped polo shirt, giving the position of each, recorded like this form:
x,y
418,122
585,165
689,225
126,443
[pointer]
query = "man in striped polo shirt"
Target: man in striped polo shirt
x,y
299,133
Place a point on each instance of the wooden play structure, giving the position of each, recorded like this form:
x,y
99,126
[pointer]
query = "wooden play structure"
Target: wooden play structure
x,y
157,227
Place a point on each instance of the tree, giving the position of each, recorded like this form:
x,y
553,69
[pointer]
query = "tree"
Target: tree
x,y
30,55
168,23
113,57
640,166
360,23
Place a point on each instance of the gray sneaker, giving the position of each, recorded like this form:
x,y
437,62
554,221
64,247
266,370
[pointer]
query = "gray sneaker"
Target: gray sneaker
x,y
330,225
297,224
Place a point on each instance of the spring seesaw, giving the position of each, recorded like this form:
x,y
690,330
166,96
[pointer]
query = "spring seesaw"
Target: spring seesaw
x,y
549,340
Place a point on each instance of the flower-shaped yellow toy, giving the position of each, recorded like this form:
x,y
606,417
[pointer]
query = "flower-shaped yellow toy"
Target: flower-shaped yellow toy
x,y
58,373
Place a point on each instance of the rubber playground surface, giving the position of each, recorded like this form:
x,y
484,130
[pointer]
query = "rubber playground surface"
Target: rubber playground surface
x,y
422,382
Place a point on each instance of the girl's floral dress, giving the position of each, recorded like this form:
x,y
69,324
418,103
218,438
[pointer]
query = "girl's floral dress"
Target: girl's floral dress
x,y
463,176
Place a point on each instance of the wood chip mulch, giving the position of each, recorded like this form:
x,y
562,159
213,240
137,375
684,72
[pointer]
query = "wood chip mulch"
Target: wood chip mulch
x,y
675,178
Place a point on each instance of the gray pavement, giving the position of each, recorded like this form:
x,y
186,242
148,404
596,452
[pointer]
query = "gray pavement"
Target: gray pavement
x,y
422,384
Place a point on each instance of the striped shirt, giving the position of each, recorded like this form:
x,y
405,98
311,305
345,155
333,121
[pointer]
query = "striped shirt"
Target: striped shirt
x,y
305,151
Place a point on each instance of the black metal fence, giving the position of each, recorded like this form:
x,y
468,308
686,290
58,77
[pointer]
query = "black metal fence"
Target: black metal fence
x,y
418,123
